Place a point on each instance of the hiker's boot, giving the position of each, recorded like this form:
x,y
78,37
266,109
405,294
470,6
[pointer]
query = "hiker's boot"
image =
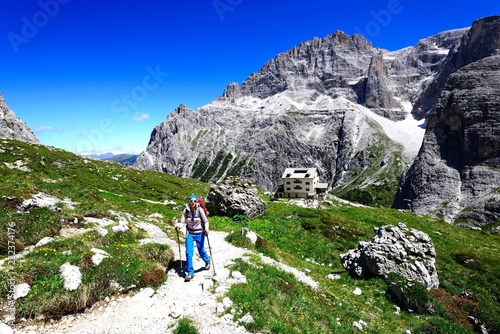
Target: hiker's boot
x,y
188,277
207,266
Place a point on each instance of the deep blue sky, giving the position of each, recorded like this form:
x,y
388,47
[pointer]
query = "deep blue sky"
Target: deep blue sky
x,y
97,76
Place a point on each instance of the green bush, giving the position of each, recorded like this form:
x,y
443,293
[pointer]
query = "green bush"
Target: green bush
x,y
185,326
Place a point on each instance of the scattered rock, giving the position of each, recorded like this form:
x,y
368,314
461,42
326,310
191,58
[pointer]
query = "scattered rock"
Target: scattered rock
x,y
71,275
42,200
5,329
21,290
71,231
44,241
252,236
247,318
116,286
122,227
98,256
102,231
227,302
333,276
360,324
495,230
156,235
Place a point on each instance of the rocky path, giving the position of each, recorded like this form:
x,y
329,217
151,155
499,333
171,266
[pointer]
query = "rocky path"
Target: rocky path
x,y
151,311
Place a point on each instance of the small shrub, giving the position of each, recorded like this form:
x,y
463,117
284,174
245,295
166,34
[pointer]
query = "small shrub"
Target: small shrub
x,y
308,225
454,308
360,196
240,219
160,253
239,240
152,276
185,326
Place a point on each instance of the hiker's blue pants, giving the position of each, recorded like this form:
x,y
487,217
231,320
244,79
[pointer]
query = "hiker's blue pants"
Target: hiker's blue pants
x,y
200,241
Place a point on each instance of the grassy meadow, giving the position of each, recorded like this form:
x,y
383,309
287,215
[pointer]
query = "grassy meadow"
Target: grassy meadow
x,y
309,239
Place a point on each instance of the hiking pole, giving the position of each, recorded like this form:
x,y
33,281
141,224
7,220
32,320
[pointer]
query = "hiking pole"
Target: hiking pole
x,y
179,244
211,257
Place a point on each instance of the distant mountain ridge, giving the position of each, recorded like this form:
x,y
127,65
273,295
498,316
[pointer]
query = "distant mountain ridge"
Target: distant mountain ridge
x,y
102,156
122,158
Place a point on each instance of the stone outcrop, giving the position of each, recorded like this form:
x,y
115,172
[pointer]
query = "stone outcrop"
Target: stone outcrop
x,y
457,171
11,127
235,196
395,249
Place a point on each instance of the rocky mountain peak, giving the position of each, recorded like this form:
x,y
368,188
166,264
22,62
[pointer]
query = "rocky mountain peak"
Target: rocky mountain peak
x,y
12,127
182,108
341,39
231,92
377,95
317,64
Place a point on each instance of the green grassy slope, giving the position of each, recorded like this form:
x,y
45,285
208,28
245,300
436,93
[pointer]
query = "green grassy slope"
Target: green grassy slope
x,y
100,189
308,239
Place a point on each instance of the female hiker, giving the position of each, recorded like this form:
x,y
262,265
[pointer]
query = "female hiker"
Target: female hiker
x,y
196,223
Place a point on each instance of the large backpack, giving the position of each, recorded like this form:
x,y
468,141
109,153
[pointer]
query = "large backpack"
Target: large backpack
x,y
201,202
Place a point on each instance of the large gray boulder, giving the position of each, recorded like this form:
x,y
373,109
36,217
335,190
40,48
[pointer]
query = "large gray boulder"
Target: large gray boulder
x,y
395,249
235,196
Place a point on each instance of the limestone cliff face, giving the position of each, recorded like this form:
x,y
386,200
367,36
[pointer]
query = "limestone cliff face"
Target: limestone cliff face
x,y
457,171
217,141
12,127
480,41
378,97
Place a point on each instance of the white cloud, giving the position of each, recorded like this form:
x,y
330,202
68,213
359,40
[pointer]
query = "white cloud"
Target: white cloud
x,y
46,128
140,116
